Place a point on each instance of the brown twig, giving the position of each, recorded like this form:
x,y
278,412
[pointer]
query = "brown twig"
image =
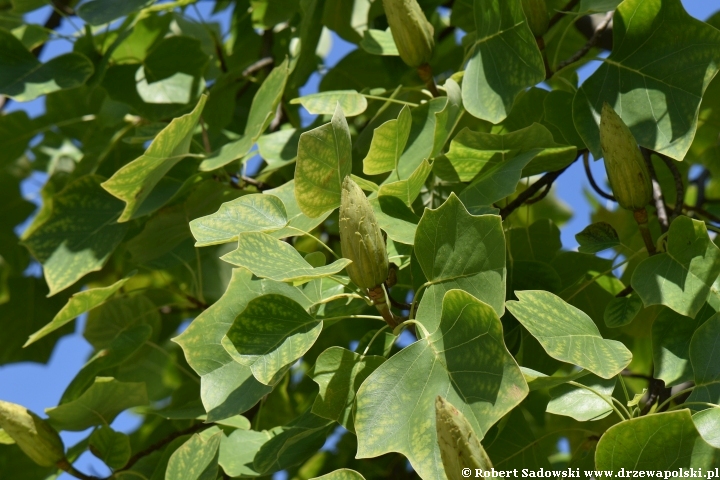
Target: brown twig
x,y
561,13
257,66
160,444
593,184
589,44
426,75
67,467
679,187
625,291
658,198
528,193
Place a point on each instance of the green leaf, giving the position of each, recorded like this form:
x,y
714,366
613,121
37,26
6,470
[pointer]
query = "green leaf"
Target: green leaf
x,y
664,441
79,303
681,277
388,143
407,190
339,373
597,237
80,234
324,103
228,388
581,404
134,182
658,100
249,213
117,315
459,250
465,360
262,112
379,42
324,160
196,459
568,334
16,130
477,154
100,12
121,348
707,423
538,380
287,332
558,118
268,257
504,61
24,78
448,118
341,474
298,222
705,358
99,405
31,36
671,336
622,310
110,446
238,450
175,54
421,142
395,218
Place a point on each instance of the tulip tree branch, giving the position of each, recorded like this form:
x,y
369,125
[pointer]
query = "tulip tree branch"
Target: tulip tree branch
x,y
658,198
589,44
67,467
679,187
160,444
593,184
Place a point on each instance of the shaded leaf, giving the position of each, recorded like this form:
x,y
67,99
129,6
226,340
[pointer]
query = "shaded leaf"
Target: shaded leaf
x,y
459,250
707,423
622,310
581,404
270,334
395,218
196,459
249,213
268,257
110,446
24,78
117,315
705,358
99,405
339,374
597,237
298,222
465,360
79,235
505,60
568,334
538,380
681,277
100,12
262,112
658,100
79,303
134,182
324,103
407,190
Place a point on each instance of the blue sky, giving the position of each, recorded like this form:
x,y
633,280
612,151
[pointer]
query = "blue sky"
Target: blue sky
x,y
40,386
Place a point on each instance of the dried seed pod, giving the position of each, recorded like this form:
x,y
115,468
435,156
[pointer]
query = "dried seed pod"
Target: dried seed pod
x,y
32,434
537,16
459,446
412,32
626,168
361,239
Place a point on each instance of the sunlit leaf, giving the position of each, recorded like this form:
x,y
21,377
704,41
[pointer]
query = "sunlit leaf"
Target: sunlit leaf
x,y
324,103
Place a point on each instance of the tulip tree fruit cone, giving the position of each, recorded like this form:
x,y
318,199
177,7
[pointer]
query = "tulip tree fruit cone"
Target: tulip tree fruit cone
x,y
32,434
361,241
460,448
627,170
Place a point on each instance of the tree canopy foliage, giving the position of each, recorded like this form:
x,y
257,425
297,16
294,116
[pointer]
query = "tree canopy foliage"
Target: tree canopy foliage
x,y
190,210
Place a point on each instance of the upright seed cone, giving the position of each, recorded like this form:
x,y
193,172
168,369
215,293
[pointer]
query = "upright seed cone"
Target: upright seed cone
x,y
412,32
361,239
626,168
459,446
32,434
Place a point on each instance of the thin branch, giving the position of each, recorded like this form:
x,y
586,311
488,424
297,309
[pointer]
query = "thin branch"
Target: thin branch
x,y
257,66
593,184
529,192
561,13
426,75
625,291
205,138
66,466
658,198
160,444
542,195
589,44
679,187
703,213
700,182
